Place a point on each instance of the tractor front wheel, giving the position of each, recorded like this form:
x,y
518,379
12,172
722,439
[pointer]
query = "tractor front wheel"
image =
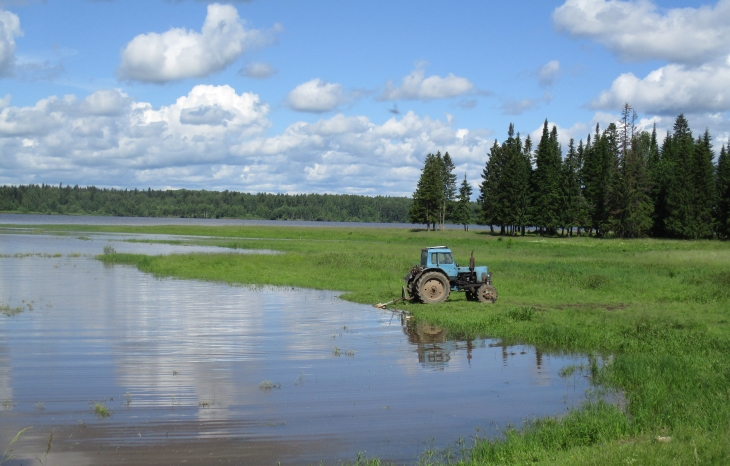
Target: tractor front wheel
x,y
487,294
433,287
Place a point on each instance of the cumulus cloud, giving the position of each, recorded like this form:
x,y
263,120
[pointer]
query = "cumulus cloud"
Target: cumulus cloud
x,y
258,70
548,73
639,30
416,86
106,102
317,96
179,54
215,138
672,89
9,30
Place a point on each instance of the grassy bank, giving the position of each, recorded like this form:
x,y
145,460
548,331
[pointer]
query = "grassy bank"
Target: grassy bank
x,y
660,309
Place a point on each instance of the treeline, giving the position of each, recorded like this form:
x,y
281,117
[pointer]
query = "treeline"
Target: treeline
x,y
620,182
202,204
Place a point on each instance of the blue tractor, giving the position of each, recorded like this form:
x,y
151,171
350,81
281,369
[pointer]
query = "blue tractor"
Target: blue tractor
x,y
437,275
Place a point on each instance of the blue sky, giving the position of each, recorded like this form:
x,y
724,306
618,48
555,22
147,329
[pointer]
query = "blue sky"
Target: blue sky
x,y
332,96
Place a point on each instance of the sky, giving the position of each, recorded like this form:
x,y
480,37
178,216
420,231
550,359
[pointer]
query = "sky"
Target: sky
x,y
324,96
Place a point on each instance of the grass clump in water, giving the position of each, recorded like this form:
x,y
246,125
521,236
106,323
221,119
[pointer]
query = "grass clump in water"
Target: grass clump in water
x,y
268,385
100,410
9,311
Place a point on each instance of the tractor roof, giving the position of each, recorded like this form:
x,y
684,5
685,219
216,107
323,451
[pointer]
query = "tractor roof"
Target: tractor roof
x,y
437,247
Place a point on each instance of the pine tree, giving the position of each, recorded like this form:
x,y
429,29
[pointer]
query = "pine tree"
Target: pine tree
x,y
722,204
462,212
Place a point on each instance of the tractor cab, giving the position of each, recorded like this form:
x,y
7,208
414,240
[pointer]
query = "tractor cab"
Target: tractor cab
x,y
439,257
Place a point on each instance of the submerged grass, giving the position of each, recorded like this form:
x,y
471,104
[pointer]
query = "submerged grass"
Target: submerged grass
x,y
657,312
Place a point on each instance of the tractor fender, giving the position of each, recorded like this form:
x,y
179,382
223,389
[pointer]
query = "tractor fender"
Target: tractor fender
x,y
433,269
416,273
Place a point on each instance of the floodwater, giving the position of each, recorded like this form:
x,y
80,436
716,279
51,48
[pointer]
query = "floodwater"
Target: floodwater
x,y
205,373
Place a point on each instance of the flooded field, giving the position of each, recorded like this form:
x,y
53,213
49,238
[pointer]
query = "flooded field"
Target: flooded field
x,y
124,368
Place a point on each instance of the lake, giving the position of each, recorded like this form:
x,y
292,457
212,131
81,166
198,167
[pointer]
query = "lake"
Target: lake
x,y
207,373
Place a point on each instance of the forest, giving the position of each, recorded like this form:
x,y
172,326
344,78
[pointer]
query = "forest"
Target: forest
x,y
90,200
620,182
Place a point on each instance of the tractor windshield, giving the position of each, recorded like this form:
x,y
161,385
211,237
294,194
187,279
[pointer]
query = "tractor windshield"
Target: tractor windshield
x,y
446,258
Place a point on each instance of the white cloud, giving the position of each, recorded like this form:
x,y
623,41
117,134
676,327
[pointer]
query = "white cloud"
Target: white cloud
x,y
180,54
672,89
416,86
106,102
258,70
9,30
548,73
214,138
317,96
639,30
519,106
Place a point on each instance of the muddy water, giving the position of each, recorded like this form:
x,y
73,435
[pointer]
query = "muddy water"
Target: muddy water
x,y
182,367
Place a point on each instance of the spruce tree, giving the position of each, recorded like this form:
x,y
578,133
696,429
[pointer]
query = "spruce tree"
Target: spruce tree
x,y
514,190
449,185
681,186
630,204
523,202
582,217
704,179
428,197
490,188
570,189
722,204
546,181
662,179
462,212
600,159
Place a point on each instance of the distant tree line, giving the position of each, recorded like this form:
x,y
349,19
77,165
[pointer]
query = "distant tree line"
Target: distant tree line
x,y
202,204
620,182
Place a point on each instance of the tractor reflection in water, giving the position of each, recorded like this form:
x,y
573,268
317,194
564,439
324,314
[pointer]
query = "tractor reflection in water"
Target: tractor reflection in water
x,y
435,350
432,344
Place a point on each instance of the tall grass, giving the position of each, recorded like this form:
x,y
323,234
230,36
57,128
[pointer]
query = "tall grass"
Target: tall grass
x,y
657,311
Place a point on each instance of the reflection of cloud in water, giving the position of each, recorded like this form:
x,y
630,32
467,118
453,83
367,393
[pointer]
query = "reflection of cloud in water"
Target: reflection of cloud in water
x,y
6,387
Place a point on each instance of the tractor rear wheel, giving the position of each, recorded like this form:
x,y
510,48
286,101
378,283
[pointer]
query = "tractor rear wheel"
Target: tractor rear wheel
x,y
433,287
487,294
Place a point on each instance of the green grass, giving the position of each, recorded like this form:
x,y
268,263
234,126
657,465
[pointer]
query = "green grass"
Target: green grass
x,y
100,410
656,311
